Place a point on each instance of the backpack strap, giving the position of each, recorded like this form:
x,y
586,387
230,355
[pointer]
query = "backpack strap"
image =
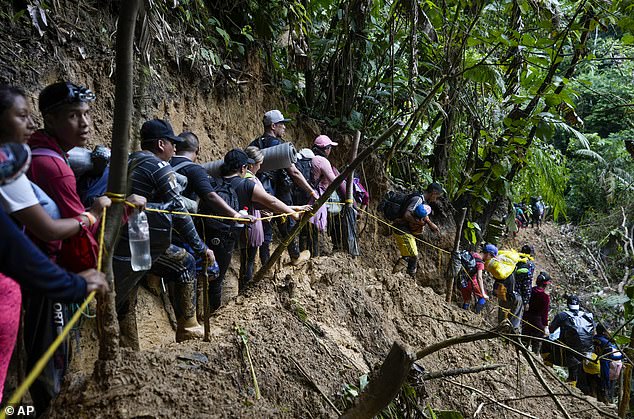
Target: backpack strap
x,y
182,165
47,152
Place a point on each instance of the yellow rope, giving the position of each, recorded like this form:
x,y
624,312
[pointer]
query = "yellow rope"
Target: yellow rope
x,y
19,393
404,232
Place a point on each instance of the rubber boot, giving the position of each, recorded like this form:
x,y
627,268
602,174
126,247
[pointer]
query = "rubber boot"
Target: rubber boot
x,y
129,335
187,326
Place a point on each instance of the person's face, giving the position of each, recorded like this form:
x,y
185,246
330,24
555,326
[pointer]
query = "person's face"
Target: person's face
x,y
16,124
486,256
70,124
327,150
166,149
433,197
255,167
279,129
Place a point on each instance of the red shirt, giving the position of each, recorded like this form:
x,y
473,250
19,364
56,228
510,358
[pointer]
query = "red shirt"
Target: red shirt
x,y
57,179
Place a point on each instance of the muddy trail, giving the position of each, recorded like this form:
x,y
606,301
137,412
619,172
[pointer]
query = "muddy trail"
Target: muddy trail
x,y
312,330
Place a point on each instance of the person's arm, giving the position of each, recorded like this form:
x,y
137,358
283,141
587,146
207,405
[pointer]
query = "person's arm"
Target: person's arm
x,y
481,282
300,181
21,260
269,201
38,222
554,325
545,308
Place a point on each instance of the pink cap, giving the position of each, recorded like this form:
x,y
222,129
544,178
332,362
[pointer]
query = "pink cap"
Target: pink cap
x,y
324,141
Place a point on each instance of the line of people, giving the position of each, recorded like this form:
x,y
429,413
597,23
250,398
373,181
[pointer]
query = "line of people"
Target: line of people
x,y
47,200
591,357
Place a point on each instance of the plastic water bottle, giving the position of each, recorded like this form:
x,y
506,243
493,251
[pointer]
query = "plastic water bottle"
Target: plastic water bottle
x,y
139,237
214,270
243,212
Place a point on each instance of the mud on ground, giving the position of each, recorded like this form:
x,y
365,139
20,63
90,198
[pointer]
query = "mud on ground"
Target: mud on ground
x,y
336,318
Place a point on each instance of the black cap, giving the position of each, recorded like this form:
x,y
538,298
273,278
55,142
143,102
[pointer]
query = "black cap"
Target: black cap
x,y
543,278
158,128
527,249
63,93
573,302
237,158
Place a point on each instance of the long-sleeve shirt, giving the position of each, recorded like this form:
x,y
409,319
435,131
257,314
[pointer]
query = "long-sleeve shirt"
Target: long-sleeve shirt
x,y
538,307
156,181
21,260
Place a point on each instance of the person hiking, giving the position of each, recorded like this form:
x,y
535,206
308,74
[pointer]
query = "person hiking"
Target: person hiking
x,y
576,331
471,280
328,217
65,109
221,234
414,215
278,183
22,264
151,176
252,237
524,271
510,303
611,363
535,317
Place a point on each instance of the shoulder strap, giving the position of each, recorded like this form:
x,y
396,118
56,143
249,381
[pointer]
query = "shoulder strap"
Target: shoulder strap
x,y
47,152
182,165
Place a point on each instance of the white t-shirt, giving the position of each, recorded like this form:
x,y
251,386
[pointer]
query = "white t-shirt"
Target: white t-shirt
x,y
17,195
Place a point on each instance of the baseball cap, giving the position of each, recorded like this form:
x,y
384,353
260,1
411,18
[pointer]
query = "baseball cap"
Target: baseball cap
x,y
489,248
274,117
573,302
63,93
422,211
527,249
543,278
158,128
237,158
324,141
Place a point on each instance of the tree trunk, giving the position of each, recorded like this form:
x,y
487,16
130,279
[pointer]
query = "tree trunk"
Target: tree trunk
x,y
117,179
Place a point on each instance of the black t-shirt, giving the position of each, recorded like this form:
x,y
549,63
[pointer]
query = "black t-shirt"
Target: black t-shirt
x,y
198,185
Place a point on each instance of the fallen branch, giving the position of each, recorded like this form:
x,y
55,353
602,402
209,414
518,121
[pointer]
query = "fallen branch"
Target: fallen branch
x,y
557,259
482,393
242,334
460,371
389,379
541,380
315,386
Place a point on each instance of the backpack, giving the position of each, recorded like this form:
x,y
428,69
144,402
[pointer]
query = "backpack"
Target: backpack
x,y
523,271
469,263
394,203
300,196
578,330
226,190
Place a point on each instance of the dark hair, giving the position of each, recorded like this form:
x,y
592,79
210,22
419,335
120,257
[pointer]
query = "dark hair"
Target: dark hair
x,y
150,145
229,169
434,187
527,249
320,151
191,142
8,95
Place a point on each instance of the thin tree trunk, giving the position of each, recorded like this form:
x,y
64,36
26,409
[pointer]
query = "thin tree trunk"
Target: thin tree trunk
x,y
117,179
456,247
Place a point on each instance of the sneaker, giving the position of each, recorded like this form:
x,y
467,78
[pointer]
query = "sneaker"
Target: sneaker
x,y
303,257
15,160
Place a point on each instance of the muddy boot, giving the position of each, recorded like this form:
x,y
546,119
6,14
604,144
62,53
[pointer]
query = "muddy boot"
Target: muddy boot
x,y
303,257
129,335
187,326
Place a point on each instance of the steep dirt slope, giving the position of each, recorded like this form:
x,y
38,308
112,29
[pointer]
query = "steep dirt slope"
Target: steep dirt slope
x,y
355,313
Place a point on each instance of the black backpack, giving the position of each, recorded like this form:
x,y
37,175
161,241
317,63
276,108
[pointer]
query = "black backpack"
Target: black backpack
x,y
394,203
578,330
468,262
300,196
226,190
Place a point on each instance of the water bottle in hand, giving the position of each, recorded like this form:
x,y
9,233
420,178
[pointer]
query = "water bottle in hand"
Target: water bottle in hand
x,y
139,237
243,212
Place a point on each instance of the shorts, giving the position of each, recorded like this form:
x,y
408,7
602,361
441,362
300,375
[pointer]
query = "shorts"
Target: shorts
x,y
406,244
